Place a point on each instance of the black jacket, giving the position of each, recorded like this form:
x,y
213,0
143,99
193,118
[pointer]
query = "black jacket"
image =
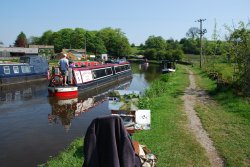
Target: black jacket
x,y
107,144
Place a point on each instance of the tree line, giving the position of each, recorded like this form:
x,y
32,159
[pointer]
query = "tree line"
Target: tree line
x,y
115,43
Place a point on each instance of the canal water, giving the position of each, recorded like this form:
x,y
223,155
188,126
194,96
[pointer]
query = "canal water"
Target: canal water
x,y
35,127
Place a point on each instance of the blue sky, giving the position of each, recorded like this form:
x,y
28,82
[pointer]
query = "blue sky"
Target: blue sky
x,y
138,19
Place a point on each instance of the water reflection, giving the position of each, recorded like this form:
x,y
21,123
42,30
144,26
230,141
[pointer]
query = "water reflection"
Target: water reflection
x,y
19,92
63,111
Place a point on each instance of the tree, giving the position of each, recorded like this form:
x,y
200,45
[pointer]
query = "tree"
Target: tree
x,y
239,50
150,53
33,40
115,41
21,40
193,33
190,46
78,38
155,42
46,38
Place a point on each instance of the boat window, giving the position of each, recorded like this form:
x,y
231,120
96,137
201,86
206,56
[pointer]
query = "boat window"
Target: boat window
x,y
127,67
24,60
109,71
122,68
6,69
88,64
99,73
25,69
16,69
117,69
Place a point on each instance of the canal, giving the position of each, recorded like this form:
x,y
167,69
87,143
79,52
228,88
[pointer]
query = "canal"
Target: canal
x,y
35,127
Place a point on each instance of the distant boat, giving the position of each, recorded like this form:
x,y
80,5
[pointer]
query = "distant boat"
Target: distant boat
x,y
29,68
168,66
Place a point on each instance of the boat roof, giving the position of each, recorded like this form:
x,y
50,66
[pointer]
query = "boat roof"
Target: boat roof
x,y
12,64
100,66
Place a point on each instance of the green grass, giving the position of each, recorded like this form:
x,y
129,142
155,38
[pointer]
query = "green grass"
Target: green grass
x,y
169,138
71,157
227,121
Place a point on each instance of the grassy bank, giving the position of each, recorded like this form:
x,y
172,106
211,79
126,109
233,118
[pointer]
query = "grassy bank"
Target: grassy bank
x,y
168,137
72,156
227,120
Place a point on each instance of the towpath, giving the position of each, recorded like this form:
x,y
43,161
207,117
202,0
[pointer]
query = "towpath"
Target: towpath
x,y
191,96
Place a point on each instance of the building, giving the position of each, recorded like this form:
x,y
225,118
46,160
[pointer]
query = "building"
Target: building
x,y
44,50
17,51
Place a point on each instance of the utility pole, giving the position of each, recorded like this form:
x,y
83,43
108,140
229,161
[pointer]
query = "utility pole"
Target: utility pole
x,y
201,32
85,43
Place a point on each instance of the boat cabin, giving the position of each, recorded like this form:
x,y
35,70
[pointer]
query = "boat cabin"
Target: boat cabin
x,y
28,68
168,66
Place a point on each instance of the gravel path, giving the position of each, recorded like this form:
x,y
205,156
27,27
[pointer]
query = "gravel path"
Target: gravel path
x,y
191,96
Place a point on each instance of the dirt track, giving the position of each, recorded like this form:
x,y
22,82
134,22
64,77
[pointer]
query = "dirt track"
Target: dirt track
x,y
191,96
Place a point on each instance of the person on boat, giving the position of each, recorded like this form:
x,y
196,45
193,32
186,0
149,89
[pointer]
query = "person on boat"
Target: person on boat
x,y
64,65
71,63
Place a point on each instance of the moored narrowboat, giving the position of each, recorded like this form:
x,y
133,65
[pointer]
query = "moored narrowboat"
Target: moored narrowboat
x,y
90,77
29,68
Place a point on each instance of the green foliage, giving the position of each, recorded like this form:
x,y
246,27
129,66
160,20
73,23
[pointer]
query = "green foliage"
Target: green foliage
x,y
107,40
190,46
156,48
157,88
239,51
115,41
155,42
72,156
21,40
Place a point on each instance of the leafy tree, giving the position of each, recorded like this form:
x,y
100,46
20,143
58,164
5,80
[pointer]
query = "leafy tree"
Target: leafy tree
x,y
94,44
33,40
57,41
190,46
155,42
239,50
115,41
21,40
66,36
150,53
78,38
46,38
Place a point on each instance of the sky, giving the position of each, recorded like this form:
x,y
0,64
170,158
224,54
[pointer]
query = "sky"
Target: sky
x,y
138,19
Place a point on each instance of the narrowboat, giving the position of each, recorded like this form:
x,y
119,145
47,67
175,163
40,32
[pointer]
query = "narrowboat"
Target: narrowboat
x,y
88,77
168,66
29,68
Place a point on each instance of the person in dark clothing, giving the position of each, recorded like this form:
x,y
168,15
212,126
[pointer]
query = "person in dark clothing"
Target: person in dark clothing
x,y
108,144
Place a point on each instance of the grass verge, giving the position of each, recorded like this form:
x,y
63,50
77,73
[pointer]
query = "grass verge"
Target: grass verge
x,y
169,138
227,120
71,157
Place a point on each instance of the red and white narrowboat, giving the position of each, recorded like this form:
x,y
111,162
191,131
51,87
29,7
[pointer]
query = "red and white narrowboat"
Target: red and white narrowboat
x,y
88,77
